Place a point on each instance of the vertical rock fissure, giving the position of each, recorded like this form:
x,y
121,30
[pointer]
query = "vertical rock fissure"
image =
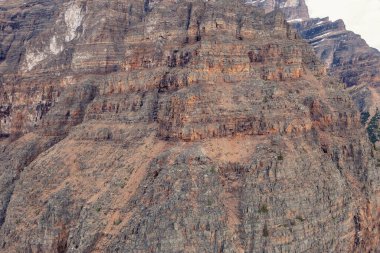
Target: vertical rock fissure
x,y
357,221
146,6
189,13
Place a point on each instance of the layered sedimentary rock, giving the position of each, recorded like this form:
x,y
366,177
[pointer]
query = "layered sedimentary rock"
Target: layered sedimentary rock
x,y
293,9
176,126
346,55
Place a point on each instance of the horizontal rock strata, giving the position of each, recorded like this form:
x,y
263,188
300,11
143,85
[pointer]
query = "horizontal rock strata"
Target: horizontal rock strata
x,y
176,126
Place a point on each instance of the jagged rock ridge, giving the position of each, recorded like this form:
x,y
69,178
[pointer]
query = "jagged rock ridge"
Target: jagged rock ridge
x,y
293,9
162,126
347,56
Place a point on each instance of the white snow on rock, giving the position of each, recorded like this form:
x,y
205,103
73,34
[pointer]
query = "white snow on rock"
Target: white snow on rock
x,y
54,47
290,3
254,1
295,20
73,19
32,59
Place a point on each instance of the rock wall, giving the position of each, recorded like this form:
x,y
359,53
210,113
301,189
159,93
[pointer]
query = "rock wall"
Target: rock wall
x,y
346,55
293,9
167,126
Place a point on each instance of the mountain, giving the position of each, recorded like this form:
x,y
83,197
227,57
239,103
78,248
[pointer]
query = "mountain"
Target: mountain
x,y
176,126
346,55
293,9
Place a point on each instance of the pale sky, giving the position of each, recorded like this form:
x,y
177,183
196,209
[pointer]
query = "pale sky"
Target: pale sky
x,y
360,16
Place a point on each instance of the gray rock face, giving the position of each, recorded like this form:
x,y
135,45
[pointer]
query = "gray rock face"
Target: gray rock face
x,y
347,56
176,126
293,9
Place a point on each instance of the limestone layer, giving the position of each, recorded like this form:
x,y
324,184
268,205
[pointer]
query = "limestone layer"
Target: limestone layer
x,y
175,126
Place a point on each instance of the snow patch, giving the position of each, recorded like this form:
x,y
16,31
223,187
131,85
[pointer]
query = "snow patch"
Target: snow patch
x,y
295,20
54,47
290,3
73,19
80,58
326,35
33,59
254,1
318,43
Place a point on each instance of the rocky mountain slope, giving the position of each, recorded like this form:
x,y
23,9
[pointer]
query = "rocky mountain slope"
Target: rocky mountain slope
x,y
347,56
175,126
293,9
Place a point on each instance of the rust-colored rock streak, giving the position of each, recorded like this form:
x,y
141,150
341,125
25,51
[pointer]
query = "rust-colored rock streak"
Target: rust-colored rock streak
x,y
175,126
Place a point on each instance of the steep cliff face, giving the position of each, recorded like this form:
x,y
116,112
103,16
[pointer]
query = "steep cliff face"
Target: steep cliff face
x,y
293,9
176,126
346,55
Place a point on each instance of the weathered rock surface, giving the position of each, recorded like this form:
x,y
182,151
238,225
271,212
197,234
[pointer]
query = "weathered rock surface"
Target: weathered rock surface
x,y
176,126
346,55
293,9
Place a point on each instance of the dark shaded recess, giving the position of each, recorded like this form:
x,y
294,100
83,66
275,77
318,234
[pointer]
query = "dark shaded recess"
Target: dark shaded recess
x,y
146,6
325,53
67,55
364,116
172,60
2,54
189,13
198,37
42,109
324,149
239,22
5,111
357,230
255,57
184,59
167,83
8,196
62,241
4,135
373,128
350,78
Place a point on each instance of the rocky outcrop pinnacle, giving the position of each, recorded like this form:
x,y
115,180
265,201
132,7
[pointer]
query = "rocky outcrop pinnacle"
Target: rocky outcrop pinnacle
x,y
176,126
